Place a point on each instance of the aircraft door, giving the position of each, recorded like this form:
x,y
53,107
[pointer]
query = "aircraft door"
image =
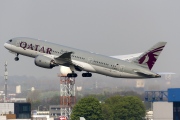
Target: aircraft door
x,y
121,68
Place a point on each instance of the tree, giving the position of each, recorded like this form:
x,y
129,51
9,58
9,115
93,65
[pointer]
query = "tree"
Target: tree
x,y
112,101
126,108
89,108
35,104
34,95
107,112
132,108
54,100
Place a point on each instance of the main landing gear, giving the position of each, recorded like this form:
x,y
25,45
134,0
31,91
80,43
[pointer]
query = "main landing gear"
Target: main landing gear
x,y
75,75
72,74
16,58
86,75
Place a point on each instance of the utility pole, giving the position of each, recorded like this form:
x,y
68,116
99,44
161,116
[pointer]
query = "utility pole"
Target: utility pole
x,y
5,78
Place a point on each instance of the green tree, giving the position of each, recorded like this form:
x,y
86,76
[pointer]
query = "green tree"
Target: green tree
x,y
132,108
112,101
107,112
126,108
35,104
89,108
54,100
34,95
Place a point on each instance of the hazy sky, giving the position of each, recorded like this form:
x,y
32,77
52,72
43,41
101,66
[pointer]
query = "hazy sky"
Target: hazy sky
x,y
109,27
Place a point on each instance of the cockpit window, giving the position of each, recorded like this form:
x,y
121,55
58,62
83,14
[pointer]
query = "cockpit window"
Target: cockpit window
x,y
10,40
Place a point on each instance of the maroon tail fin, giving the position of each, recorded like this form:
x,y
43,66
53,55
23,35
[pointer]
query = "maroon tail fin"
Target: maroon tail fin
x,y
148,58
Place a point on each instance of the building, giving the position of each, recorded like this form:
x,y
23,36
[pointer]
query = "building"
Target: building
x,y
18,99
18,89
166,104
40,115
16,110
55,111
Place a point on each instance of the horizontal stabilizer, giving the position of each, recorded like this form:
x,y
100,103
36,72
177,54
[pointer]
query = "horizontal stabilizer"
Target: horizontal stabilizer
x,y
147,75
128,57
166,73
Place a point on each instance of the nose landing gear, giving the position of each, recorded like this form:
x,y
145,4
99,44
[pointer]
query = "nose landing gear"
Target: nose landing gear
x,y
16,58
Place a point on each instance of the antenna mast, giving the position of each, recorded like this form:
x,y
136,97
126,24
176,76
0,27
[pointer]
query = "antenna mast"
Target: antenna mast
x,y
5,78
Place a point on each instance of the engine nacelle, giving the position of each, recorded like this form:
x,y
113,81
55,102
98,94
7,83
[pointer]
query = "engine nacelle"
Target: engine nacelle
x,y
45,62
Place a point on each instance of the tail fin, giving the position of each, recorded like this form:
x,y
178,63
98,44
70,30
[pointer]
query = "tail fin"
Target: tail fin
x,y
148,58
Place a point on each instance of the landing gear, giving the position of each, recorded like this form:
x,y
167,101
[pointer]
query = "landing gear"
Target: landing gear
x,y
72,74
86,75
16,58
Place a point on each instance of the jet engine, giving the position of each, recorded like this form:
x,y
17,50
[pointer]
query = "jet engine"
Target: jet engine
x,y
45,62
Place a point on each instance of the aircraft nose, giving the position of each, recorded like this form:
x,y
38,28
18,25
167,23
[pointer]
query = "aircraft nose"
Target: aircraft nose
x,y
5,45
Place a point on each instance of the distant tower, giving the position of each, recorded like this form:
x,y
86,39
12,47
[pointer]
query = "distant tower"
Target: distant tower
x,y
18,89
168,78
140,84
5,78
32,89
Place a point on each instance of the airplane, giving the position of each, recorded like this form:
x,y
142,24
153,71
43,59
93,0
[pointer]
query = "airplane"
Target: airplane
x,y
49,55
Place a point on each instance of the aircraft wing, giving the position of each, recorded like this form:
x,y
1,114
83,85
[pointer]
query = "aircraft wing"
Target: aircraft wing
x,y
127,57
65,59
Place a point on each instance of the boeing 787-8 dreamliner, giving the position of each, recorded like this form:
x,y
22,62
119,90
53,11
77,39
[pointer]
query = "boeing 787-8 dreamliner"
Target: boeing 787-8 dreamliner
x,y
49,55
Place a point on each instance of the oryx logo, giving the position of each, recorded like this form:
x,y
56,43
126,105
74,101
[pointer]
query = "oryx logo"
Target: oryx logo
x,y
150,57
